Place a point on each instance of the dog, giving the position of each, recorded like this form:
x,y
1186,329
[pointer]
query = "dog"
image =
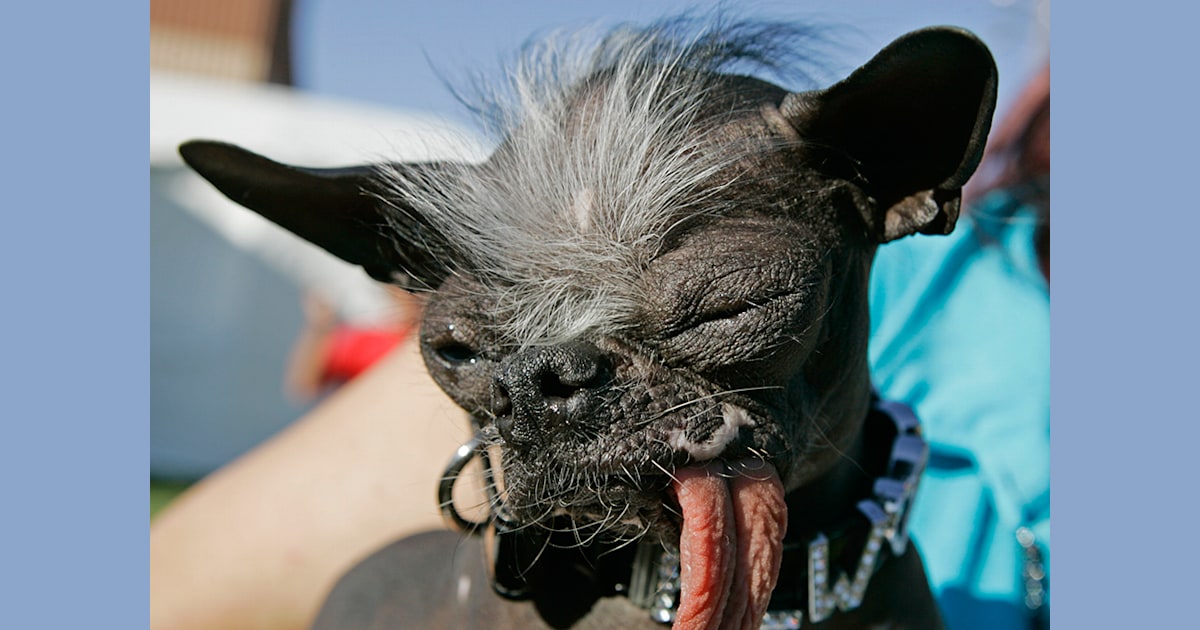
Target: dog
x,y
652,300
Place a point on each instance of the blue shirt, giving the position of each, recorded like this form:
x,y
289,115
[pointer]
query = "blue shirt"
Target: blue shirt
x,y
961,332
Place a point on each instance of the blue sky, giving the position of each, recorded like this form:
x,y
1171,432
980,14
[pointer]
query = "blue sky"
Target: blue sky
x,y
384,51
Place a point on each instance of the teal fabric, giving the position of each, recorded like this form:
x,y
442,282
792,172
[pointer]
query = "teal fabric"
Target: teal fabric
x,y
961,332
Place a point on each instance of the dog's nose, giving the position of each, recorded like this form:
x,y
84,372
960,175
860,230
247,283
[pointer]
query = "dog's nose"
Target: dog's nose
x,y
546,388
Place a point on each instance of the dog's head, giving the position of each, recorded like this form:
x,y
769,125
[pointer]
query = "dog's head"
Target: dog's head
x,y
661,264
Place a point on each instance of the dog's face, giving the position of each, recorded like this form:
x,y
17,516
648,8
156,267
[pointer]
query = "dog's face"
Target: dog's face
x,y
739,336
659,267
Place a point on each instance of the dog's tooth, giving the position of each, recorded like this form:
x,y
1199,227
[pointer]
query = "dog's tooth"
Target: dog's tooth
x,y
733,419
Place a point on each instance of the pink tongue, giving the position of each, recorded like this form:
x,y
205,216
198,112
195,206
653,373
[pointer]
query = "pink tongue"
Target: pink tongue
x,y
734,518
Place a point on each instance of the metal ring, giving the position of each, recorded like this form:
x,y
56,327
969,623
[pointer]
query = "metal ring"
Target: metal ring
x,y
462,457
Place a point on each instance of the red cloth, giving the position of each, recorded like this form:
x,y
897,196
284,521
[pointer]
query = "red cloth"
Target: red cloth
x,y
353,350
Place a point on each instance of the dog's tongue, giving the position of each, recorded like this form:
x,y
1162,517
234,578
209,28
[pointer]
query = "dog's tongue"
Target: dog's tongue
x,y
734,518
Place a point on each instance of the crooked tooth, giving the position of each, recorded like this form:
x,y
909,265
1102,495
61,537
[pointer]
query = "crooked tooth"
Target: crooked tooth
x,y
733,419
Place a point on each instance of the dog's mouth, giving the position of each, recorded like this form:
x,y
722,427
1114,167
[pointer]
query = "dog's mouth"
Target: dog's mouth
x,y
727,521
679,464
614,489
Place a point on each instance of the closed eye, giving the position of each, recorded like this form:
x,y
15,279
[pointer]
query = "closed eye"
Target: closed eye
x,y
713,309
726,310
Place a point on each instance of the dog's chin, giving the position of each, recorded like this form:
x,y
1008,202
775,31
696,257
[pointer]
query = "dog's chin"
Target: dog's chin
x,y
600,510
612,509
725,515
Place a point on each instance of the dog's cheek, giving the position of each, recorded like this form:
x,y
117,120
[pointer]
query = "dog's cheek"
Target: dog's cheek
x,y
471,385
459,347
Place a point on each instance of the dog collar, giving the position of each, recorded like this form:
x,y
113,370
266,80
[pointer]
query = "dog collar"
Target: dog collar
x,y
821,572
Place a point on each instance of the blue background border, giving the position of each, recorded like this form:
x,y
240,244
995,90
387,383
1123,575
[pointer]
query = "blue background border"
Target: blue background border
x,y
75,270
74,266
1125,438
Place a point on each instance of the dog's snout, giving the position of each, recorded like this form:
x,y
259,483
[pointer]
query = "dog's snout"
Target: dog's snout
x,y
544,389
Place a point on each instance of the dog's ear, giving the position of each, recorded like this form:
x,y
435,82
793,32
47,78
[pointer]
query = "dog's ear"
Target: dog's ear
x,y
339,209
913,121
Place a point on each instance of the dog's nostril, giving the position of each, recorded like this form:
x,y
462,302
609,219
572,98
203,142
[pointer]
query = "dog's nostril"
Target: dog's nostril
x,y
499,401
573,367
552,386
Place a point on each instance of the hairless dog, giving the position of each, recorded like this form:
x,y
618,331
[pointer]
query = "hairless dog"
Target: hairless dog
x,y
652,300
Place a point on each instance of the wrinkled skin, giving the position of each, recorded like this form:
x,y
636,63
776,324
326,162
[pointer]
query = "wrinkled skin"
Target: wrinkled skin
x,y
674,377
745,346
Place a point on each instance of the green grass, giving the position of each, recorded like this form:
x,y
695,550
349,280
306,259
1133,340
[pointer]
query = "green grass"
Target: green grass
x,y
162,493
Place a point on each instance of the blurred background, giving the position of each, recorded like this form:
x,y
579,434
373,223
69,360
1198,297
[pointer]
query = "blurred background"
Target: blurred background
x,y
333,83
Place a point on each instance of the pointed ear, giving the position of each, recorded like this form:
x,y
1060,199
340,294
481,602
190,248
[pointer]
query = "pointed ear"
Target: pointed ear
x,y
913,121
339,209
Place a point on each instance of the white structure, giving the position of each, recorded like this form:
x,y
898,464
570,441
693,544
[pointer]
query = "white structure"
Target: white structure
x,y
226,285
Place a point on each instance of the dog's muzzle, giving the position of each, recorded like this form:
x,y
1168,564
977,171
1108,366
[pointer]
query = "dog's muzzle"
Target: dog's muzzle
x,y
544,390
819,579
